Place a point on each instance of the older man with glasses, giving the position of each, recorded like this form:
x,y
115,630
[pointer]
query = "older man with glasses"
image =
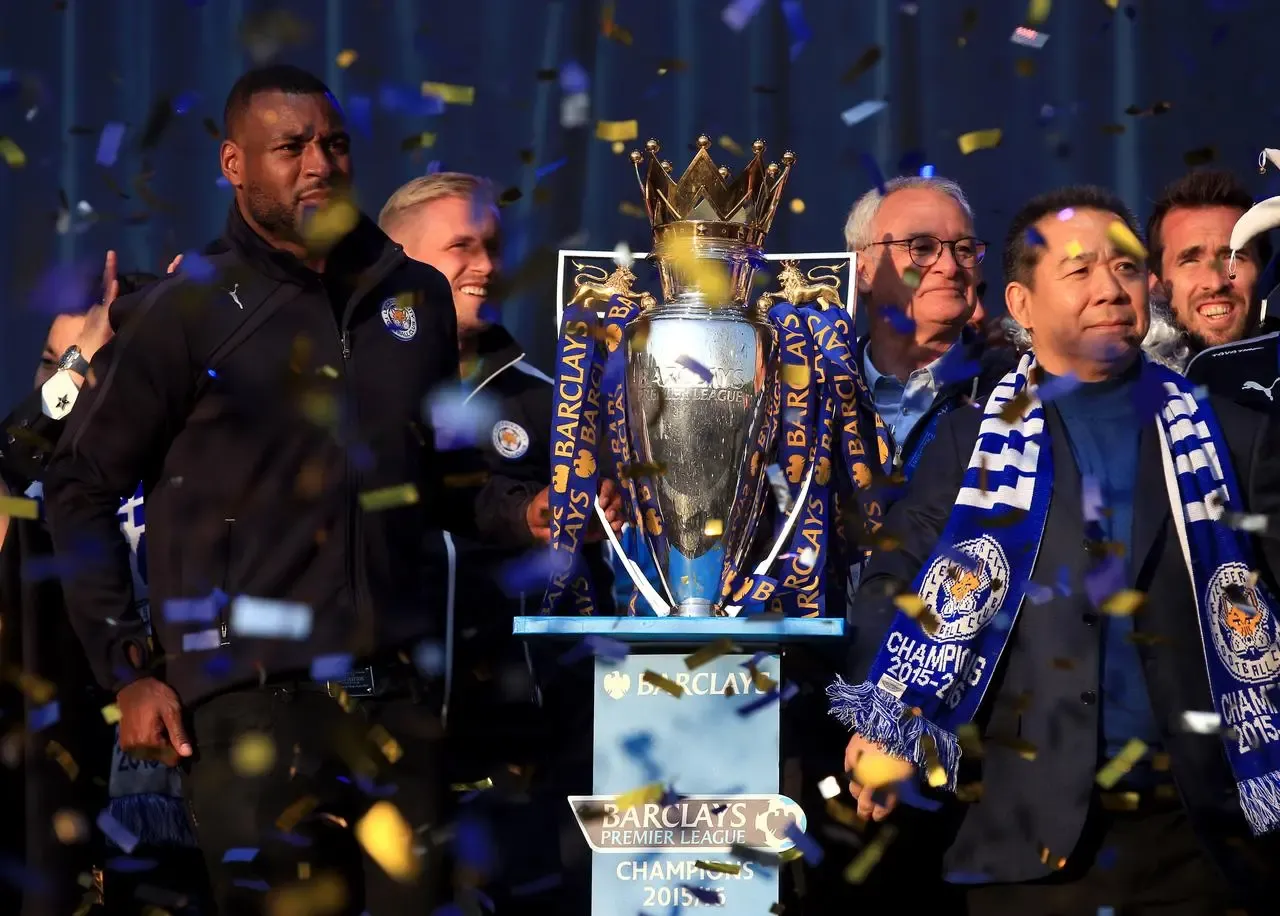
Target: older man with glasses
x,y
919,268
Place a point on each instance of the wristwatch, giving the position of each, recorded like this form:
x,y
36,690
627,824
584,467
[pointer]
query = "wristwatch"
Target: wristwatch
x,y
58,395
74,362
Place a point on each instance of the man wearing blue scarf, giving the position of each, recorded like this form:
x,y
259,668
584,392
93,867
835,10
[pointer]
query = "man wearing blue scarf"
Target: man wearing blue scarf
x,y
1076,638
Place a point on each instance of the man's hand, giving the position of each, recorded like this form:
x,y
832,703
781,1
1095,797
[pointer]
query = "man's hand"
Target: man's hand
x,y
174,265
871,770
97,328
610,500
151,722
538,513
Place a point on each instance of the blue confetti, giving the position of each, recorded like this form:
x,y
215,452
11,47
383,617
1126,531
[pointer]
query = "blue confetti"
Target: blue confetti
x,y
109,143
695,367
801,34
898,319
473,845
952,371
197,267
862,111
221,181
193,610
768,699
293,839
429,658
44,716
252,884
528,572
1057,386
740,12
116,831
573,78
755,660
705,894
185,102
409,101
872,168
1034,238
807,845
331,667
1105,579
360,114
550,167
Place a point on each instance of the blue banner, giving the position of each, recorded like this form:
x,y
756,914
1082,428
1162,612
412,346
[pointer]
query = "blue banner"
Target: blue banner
x,y
686,810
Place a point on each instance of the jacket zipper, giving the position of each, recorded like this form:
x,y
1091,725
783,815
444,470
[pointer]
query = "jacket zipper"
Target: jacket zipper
x,y
355,551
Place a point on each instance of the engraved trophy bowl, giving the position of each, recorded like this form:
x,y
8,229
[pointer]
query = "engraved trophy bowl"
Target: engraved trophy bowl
x,y
699,384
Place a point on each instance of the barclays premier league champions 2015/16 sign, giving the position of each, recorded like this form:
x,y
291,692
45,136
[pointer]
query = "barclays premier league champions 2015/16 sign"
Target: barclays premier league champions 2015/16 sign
x,y
711,408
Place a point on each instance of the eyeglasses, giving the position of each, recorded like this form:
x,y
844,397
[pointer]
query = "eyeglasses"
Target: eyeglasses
x,y
925,250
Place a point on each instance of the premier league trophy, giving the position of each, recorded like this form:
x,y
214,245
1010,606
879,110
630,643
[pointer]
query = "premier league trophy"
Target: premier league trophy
x,y
711,407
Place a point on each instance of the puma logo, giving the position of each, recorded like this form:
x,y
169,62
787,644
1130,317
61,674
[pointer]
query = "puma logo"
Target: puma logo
x,y
234,298
1257,386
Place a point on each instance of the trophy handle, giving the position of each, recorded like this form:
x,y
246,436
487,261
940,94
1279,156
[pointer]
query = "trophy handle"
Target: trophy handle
x,y
642,584
762,567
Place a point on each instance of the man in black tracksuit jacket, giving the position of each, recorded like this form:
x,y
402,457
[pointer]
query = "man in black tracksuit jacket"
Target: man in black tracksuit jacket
x,y
272,403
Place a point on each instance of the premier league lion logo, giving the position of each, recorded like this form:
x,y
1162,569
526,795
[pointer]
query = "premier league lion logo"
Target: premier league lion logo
x,y
1244,629
966,597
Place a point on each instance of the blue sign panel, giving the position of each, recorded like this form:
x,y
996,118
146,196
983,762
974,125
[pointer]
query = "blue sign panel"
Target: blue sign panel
x,y
685,810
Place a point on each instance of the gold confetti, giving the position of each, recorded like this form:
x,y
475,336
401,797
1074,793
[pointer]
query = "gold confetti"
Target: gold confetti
x,y
36,688
720,868
1121,763
728,143
618,147
388,839
616,131
451,94
19,507
1038,12
645,795
389,746
69,826
794,376
969,792
404,494
857,871
1063,664
975,140
762,681
713,528
111,713
291,815
478,786
422,140
911,605
796,205
1161,762
844,814
710,651
65,760
1074,249
627,208
346,58
1015,407
935,773
874,768
1119,801
1123,238
12,153
657,680
970,739
323,895
253,753
1124,603
330,224
304,871
1024,749
1025,67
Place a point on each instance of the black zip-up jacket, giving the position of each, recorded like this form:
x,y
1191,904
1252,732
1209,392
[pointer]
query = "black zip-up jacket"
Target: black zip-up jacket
x,y
1246,372
257,406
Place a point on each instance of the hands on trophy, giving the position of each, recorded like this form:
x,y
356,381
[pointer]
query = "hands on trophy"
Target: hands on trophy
x,y
538,513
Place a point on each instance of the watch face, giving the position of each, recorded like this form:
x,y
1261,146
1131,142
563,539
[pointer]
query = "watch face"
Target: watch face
x,y
70,357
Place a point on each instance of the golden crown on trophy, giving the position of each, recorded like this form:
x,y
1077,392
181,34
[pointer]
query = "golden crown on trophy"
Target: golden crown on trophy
x,y
703,204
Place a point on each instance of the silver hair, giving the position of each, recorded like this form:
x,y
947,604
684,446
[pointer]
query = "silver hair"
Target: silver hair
x,y
857,228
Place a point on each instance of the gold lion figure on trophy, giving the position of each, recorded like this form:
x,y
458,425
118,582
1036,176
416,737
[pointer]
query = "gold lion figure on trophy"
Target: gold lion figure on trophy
x,y
587,287
799,288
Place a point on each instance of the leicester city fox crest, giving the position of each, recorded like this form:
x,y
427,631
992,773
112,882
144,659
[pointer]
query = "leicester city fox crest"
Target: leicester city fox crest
x,y
1244,628
966,597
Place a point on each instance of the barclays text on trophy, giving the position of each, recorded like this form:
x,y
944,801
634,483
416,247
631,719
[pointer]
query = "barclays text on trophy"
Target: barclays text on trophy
x,y
722,414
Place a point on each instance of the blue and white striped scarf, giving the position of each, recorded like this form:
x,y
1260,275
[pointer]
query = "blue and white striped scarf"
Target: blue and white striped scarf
x,y
924,685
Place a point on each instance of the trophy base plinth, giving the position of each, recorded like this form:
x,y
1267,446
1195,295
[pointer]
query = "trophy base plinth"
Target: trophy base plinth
x,y
692,607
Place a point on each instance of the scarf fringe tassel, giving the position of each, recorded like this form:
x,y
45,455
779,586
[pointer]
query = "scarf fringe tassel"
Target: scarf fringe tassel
x,y
156,820
1260,801
884,720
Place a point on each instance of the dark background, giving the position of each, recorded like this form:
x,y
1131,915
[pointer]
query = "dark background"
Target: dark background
x,y
948,67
